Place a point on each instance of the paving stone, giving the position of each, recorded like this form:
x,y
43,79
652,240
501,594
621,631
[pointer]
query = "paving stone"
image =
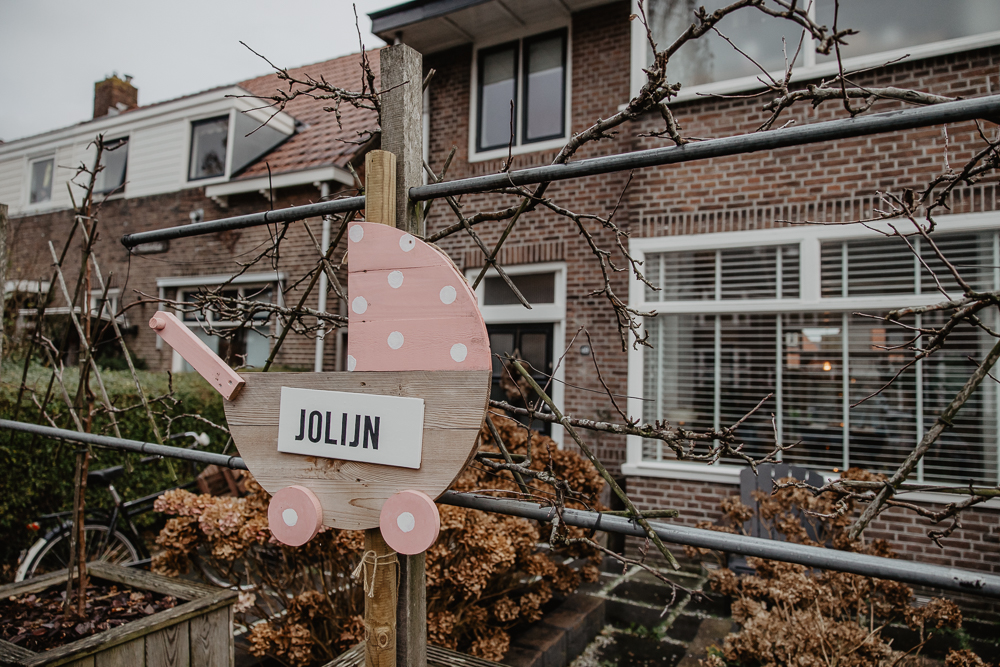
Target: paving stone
x,y
523,657
580,618
547,640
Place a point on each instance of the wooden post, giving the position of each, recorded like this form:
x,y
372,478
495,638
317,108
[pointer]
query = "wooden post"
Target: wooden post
x,y
381,567
402,135
402,129
380,572
3,269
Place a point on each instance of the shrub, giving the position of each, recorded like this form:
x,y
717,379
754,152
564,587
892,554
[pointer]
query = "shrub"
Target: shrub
x,y
36,474
485,574
791,615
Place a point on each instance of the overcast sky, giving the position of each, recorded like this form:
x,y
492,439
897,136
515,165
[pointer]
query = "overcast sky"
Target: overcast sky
x,y
52,51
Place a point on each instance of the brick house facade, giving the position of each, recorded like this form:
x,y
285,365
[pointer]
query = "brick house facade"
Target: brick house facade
x,y
744,204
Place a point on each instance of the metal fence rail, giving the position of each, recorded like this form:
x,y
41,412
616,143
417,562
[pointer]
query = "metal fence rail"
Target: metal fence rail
x,y
909,572
846,128
290,214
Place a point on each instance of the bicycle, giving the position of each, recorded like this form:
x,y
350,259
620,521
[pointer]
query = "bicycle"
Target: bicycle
x,y
109,536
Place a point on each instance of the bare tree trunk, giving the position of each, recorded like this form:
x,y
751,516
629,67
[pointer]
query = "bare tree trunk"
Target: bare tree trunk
x,y
3,268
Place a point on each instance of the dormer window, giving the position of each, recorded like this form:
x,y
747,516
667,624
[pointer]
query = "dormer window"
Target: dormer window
x,y
521,90
41,180
209,139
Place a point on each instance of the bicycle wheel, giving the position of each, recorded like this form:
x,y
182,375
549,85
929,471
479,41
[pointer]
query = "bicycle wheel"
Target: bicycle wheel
x,y
53,552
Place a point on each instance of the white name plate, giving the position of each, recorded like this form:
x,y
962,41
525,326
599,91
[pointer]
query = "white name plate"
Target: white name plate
x,y
369,428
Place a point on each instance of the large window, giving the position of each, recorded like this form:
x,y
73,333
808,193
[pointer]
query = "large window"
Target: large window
x,y
114,160
248,346
884,26
521,96
41,180
209,139
736,324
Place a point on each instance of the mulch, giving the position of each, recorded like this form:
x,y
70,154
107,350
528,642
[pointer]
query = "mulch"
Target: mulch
x,y
36,621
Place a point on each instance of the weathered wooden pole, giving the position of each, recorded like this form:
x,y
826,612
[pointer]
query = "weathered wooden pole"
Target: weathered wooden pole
x,y
402,135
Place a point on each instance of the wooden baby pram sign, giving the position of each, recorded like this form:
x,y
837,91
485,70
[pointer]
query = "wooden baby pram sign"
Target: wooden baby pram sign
x,y
385,430
372,446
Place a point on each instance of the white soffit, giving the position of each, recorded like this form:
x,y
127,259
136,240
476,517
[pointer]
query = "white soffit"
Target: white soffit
x,y
483,21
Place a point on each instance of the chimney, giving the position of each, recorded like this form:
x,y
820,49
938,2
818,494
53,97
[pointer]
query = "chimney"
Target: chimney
x,y
114,95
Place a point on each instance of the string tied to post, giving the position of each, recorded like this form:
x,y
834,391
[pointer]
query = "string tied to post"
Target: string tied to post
x,y
362,569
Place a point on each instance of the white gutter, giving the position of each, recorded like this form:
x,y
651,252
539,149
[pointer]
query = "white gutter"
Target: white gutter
x,y
263,183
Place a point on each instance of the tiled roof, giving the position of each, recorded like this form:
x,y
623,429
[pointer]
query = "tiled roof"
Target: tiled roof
x,y
321,141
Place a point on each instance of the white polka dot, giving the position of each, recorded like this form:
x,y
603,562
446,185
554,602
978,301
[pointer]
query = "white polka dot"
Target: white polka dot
x,y
395,340
406,522
459,352
448,294
351,363
357,233
395,279
359,305
290,517
407,242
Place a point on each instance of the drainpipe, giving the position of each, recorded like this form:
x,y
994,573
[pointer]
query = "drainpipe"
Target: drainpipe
x,y
321,306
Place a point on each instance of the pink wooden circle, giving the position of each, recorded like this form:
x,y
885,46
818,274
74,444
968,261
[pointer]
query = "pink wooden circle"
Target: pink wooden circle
x,y
410,522
295,515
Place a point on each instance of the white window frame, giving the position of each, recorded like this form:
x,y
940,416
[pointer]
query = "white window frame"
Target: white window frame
x,y
808,71
29,165
188,135
184,284
543,313
120,192
809,238
519,148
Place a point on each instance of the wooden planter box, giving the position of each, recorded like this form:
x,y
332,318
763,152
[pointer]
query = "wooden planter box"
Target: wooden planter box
x,y
197,632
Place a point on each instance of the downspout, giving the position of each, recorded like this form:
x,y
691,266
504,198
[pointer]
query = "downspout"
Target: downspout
x,y
321,306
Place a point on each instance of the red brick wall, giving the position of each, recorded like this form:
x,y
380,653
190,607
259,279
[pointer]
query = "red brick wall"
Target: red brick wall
x,y
204,255
827,182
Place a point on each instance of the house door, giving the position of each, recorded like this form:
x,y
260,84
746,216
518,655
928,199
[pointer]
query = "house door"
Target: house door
x,y
533,344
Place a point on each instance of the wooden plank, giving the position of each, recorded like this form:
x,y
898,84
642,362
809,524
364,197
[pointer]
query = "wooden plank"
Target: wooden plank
x,y
179,588
380,188
402,131
130,654
12,654
352,493
212,639
82,662
380,607
411,611
169,647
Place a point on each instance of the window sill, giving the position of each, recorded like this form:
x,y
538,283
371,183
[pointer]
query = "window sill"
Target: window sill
x,y
729,474
523,149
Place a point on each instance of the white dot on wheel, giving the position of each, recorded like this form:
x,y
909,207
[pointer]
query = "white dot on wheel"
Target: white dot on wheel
x,y
405,521
395,279
395,340
406,242
351,363
448,294
459,352
357,233
290,517
359,305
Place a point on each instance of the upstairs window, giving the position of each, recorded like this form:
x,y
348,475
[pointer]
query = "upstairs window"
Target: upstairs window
x,y
209,139
883,26
522,91
41,180
114,160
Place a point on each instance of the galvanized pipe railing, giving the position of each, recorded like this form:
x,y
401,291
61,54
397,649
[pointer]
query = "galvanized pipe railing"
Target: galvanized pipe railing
x,y
845,128
909,572
290,214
